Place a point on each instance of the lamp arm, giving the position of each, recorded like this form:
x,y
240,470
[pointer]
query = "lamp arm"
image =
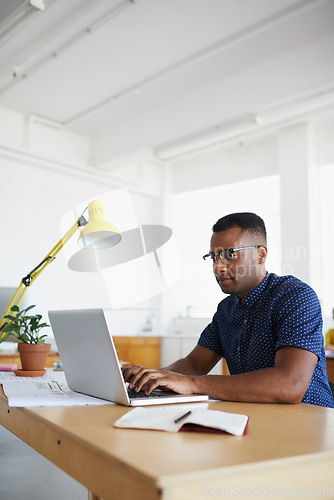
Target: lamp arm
x,y
30,277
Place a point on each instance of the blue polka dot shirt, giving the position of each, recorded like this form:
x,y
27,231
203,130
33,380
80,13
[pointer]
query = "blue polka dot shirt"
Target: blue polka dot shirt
x,y
280,311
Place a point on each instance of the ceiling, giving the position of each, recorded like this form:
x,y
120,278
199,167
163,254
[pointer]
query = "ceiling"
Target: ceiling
x,y
136,74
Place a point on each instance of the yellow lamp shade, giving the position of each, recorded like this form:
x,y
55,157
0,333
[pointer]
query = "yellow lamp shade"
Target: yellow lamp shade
x,y
98,233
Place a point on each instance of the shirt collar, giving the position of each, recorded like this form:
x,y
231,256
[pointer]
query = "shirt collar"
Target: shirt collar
x,y
254,294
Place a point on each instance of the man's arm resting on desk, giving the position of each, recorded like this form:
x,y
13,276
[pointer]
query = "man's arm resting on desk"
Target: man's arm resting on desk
x,y
285,382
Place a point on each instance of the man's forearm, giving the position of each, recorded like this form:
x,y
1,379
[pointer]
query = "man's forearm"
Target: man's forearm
x,y
261,386
183,366
264,386
286,382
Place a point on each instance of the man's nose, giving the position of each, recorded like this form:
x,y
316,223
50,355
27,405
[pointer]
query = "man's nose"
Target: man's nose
x,y
220,265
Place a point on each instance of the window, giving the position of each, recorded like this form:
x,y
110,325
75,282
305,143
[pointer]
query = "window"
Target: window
x,y
197,293
327,236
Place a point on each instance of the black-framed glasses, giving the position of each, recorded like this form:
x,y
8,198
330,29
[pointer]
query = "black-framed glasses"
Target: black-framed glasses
x,y
226,253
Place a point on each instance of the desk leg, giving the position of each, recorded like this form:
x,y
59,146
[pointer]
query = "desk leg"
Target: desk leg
x,y
92,496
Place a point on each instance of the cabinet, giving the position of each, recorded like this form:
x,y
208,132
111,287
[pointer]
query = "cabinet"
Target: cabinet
x,y
330,369
135,350
143,351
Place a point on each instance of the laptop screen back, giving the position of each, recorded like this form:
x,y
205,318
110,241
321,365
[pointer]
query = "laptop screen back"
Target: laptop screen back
x,y
88,354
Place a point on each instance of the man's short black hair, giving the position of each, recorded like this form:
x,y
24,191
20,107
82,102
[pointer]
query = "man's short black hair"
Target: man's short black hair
x,y
247,221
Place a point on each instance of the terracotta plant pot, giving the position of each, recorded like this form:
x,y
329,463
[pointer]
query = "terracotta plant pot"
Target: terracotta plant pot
x,y
33,356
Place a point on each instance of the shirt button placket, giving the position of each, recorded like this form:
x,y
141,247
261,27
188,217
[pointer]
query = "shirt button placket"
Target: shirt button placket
x,y
238,351
242,302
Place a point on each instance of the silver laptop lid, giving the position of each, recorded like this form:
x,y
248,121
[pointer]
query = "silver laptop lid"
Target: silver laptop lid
x,y
88,354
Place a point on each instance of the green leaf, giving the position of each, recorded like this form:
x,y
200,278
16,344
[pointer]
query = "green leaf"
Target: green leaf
x,y
7,328
9,316
4,338
11,328
28,309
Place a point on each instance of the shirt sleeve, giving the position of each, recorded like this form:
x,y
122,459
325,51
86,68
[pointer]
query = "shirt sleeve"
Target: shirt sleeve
x,y
210,337
300,319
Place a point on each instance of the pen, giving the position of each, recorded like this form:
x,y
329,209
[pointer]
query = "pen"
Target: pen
x,y
182,417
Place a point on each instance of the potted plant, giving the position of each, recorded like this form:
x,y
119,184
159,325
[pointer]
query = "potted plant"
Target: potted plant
x,y
33,350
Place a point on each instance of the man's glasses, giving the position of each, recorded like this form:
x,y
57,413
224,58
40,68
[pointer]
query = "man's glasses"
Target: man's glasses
x,y
226,253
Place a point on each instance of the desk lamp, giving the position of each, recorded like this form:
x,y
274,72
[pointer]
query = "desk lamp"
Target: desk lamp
x,y
95,234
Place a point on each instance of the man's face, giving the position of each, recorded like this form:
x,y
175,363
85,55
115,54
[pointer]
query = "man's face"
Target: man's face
x,y
247,268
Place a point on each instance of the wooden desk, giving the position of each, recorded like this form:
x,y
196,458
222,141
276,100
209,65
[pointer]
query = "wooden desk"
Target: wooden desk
x,y
288,451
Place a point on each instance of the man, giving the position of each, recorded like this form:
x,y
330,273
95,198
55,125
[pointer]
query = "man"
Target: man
x,y
269,329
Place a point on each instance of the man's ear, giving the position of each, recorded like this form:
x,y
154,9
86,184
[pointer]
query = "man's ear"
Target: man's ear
x,y
262,254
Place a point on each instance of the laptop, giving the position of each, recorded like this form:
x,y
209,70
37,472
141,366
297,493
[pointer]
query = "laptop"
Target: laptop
x,y
91,364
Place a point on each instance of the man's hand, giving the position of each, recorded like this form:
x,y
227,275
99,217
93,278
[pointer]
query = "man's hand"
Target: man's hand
x,y
148,379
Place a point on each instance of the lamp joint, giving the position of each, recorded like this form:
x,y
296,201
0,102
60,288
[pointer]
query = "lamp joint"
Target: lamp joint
x,y
26,280
82,221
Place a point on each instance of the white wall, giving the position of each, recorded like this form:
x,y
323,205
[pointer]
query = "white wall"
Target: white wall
x,y
236,161
43,173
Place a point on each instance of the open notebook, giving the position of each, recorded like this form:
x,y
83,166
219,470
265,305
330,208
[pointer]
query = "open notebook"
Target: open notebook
x,y
91,364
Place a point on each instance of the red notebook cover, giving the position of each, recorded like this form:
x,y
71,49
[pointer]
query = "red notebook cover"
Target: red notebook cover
x,y
201,428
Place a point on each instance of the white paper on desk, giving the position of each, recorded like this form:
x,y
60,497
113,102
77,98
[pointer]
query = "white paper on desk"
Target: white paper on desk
x,y
44,391
49,375
162,418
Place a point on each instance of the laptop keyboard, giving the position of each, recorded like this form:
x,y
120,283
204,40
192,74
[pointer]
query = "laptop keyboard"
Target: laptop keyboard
x,y
141,394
